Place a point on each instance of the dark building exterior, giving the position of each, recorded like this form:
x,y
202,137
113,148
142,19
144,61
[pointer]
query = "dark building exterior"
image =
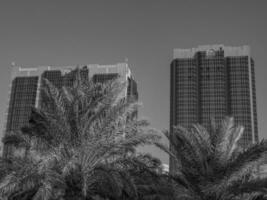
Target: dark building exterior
x,y
213,82
26,93
22,98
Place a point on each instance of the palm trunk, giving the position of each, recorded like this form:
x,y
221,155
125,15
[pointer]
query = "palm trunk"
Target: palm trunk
x,y
84,190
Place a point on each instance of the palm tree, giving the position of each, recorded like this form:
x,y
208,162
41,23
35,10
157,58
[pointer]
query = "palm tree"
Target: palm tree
x,y
146,173
211,165
75,142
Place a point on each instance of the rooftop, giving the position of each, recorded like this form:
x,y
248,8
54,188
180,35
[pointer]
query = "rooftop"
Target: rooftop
x,y
228,50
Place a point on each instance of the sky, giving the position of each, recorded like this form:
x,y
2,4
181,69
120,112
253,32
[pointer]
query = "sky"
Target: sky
x,y
144,32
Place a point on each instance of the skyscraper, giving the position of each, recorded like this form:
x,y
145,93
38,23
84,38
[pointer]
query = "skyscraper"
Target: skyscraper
x,y
25,91
214,81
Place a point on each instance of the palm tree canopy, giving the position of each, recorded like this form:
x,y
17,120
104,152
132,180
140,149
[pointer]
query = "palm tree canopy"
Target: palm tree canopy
x,y
211,163
73,139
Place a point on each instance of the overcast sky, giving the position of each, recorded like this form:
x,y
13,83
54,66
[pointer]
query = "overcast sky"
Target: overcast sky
x,y
53,32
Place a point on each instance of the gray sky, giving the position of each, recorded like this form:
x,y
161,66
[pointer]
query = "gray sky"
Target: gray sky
x,y
144,31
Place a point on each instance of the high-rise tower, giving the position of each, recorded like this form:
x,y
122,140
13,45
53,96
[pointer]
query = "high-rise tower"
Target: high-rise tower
x,y
25,91
214,81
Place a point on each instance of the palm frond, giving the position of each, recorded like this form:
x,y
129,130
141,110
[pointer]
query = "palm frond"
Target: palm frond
x,y
229,142
258,185
246,158
17,139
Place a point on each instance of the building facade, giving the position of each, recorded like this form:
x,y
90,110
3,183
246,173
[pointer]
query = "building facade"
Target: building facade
x,y
213,81
26,93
